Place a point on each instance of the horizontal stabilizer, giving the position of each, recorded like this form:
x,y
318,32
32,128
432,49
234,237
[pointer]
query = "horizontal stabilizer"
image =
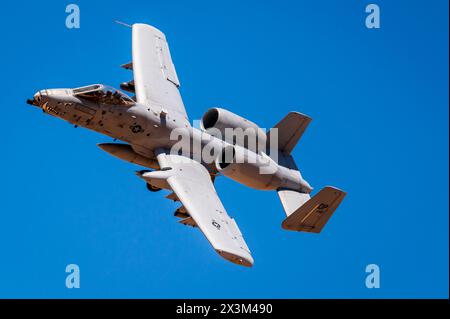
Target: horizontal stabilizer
x,y
314,214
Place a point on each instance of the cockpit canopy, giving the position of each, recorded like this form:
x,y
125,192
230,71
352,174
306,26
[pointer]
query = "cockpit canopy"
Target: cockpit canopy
x,y
102,94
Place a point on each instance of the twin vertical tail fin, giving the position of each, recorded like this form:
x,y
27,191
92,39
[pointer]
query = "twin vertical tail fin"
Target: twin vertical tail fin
x,y
303,212
309,214
289,130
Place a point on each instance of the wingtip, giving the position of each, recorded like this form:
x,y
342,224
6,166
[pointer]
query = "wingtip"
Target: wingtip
x,y
148,27
235,259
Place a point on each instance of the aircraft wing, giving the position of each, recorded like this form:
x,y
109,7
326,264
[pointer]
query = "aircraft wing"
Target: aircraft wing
x,y
155,79
191,183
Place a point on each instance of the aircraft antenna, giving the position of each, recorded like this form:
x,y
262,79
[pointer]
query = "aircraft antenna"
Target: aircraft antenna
x,y
122,23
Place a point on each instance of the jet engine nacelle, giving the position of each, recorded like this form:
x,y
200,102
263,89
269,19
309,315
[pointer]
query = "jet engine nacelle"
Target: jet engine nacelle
x,y
234,129
258,171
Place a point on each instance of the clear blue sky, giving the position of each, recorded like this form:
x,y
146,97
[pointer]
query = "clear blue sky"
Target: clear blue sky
x,y
379,100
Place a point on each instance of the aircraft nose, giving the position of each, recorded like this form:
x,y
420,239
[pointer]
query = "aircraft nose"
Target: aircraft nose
x,y
39,98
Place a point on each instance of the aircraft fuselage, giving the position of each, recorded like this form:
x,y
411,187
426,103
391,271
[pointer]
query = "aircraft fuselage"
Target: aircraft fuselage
x,y
148,129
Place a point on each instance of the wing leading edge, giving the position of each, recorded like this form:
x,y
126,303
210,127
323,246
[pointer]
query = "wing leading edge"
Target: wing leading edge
x,y
191,183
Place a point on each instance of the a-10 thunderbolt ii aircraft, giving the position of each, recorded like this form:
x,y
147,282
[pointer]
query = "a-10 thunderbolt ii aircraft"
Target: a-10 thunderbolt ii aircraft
x,y
146,121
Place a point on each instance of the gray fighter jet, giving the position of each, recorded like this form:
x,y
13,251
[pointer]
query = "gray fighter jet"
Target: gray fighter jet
x,y
185,160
